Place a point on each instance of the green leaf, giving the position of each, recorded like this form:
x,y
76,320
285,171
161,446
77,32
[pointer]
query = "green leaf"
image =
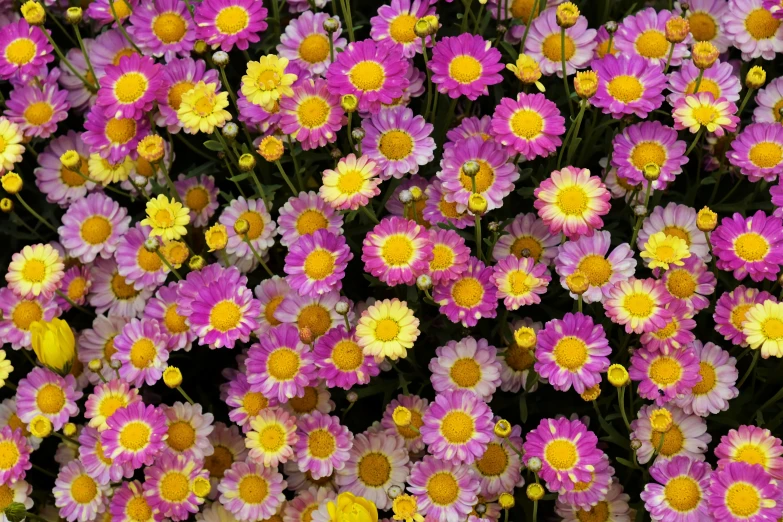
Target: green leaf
x,y
240,177
213,145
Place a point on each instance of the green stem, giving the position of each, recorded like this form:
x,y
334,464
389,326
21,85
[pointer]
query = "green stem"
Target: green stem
x,y
527,29
74,305
669,60
639,219
168,265
621,400
565,72
297,173
84,51
346,6
169,182
698,79
57,23
464,26
695,140
477,226
478,19
370,214
276,16
745,101
257,255
750,368
429,77
285,177
92,88
187,397
121,28
350,137
331,48
65,438
48,474
35,214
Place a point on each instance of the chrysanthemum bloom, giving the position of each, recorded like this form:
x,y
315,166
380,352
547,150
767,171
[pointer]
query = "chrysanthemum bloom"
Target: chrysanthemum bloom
x,y
691,283
317,314
398,141
749,246
613,507
96,464
644,143
43,392
519,281
229,447
18,492
638,304
688,435
202,108
104,13
341,360
135,263
702,111
494,180
769,102
223,313
679,221
449,255
245,403
308,500
251,491
572,202
417,408
465,65
178,77
305,214
128,89
270,293
75,284
323,444
311,114
141,348
37,111
188,430
469,297
16,455
644,34
531,125
589,494
19,314
663,251
720,80
753,29
387,328
316,398
628,84
114,139
731,312
107,398
677,332
443,490
11,152
266,81
438,210
543,44
128,503
466,365
135,434
763,328
680,490
352,184
24,51
662,376
113,293
280,365
261,231
377,461
77,494
373,72
163,28
716,388
527,236
200,196
468,128
457,426
397,251
61,184
316,263
752,445
271,437
741,492
229,23
705,18
306,42
758,151
499,469
169,486
36,270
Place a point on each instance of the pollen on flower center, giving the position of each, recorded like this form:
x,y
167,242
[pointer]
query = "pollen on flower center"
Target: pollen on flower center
x,y
596,268
638,305
648,152
254,402
772,328
347,355
708,379
457,427
121,289
174,322
169,27
397,250
174,487
401,28
705,114
570,353
319,264
467,292
519,282
96,229
443,257
484,179
374,469
148,261
219,461
552,49
395,144
527,124
625,88
465,69
310,221
572,201
50,399
182,436
72,178
703,26
751,246
176,91
25,313
138,508
316,318
272,438
38,113
751,454
283,364
561,454
135,436
443,488
766,154
367,76
387,330
350,182
706,85
519,359
269,311
738,315
84,489
314,48
111,404
120,130
652,44
21,51
9,454
256,223
761,24
253,489
77,289
34,270
529,243
494,461
680,283
306,403
682,493
232,19
465,372
142,353
130,87
313,112
225,315
321,444
197,199
665,371
743,500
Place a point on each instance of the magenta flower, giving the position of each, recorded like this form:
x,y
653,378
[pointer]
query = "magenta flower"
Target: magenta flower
x,y
749,246
316,263
281,366
469,297
323,446
229,23
628,84
531,125
465,65
397,251
662,375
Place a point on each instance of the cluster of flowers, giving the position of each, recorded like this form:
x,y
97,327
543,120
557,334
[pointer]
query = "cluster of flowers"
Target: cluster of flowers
x,y
148,265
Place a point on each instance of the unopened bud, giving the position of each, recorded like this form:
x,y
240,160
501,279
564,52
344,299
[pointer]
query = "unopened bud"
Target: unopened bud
x,y
535,491
477,204
756,77
424,282
95,365
525,337
394,491
349,102
577,282
331,25
220,58
611,27
196,263
352,396
74,15
306,335
358,134
230,130
534,464
586,84
405,196
241,226
172,377
706,220
33,13
6,205
677,29
69,429
341,308
639,210
652,171
247,162
704,55
200,47
151,244
567,14
471,168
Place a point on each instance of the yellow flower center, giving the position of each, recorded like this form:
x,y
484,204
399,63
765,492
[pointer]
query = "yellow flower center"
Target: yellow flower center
x,y
443,489
465,373
121,9
397,250
174,322
708,379
283,364
217,463
448,208
70,177
169,27
135,436
367,76
316,318
494,461
639,305
25,313
122,53
532,245
625,88
484,179
751,454
34,270
306,403
743,499
148,261
665,371
111,404
182,436
269,311
16,424
776,111
703,26
350,182
232,19
761,24
205,104
347,355
457,427
561,454
96,229
21,51
751,246
310,221
467,292
443,257
6,497
395,144
570,353
596,268
527,124
572,201
519,283
77,289
254,402
84,489
174,487
313,112
321,444
255,222
272,438
519,359
101,455
314,48
176,91
138,509
766,154
253,489
38,113
401,28
225,316
121,289
667,331
9,454
130,87
142,353
652,44
387,330
197,199
374,469
553,51
465,69
120,130
523,9
681,283
705,114
683,494
597,513
738,315
648,152
706,85
772,328
50,399
319,264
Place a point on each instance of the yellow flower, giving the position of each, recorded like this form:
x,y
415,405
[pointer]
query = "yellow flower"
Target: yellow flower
x,y
12,149
36,270
591,394
54,344
350,508
266,81
663,250
502,428
201,487
40,427
172,376
402,416
387,329
527,70
104,172
577,282
12,182
5,368
506,500
271,148
535,491
406,509
661,420
151,148
175,252
586,84
203,108
617,375
33,13
216,237
166,218
756,77
70,159
704,54
69,429
567,14
763,328
677,29
525,337
706,220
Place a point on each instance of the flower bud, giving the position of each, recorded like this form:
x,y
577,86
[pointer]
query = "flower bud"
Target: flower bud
x,y
704,55
358,134
54,344
12,183
271,148
636,444
661,420
241,226
15,512
331,25
611,27
335,153
6,205
534,464
416,193
677,29
246,163
341,307
216,237
652,171
639,210
230,130
617,375
151,244
70,159
586,84
535,491
493,226
706,220
477,204
196,263
756,77
151,148
480,508
349,103
220,58
40,427
394,491
172,377
405,196
577,282
306,335
525,337
402,416
567,14
69,429
502,428
352,396
200,47
201,487
95,365
424,282
74,15
506,500
33,13
526,69
592,393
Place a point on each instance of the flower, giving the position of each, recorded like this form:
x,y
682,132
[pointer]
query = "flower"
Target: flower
x,y
229,23
410,431
544,44
37,111
749,246
664,251
102,469
260,233
643,143
280,365
351,184
323,446
753,30
499,468
134,434
163,28
311,114
443,490
628,84
36,270
251,491
740,491
680,491
113,138
751,445
141,348
266,81
24,51
397,251
223,311
316,263
465,65
169,486
572,202
687,436
178,77
719,80
530,125
466,364
644,35
16,455
135,263
702,111
769,102
638,304
457,426
246,404
572,352
663,376
272,437
387,328
677,332
188,430
202,108
705,18
305,42
77,494
398,142
54,344
128,503
200,196
61,184
758,151
128,89
45,393
520,281
731,312
469,297
763,328
341,360
615,505
317,314
106,399
396,22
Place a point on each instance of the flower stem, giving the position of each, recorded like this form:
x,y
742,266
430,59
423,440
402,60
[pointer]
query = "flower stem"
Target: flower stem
x,y
565,72
346,5
669,60
621,400
297,174
285,177
91,87
35,214
187,397
745,101
84,51
477,226
74,305
429,77
698,79
527,28
370,214
639,219
750,368
168,265
169,182
121,28
48,474
695,141
257,255
464,26
478,19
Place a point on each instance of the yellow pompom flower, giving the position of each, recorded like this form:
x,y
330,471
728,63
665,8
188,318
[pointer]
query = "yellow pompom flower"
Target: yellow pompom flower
x,y
54,344
402,416
5,368
266,81
663,250
350,508
166,218
617,375
104,172
12,183
387,329
216,237
203,108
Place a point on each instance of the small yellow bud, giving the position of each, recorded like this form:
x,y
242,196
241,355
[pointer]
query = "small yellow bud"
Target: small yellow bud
x,y
704,55
592,393
506,500
200,47
416,193
525,337
70,159
69,429
216,237
652,171
586,84
151,148
12,183
201,487
196,263
706,220
618,375
172,376
40,427
477,204
349,103
6,205
175,252
306,335
422,28
567,14
33,13
74,15
247,163
402,416
502,428
95,365
756,77
535,491
271,148
677,29
577,282
661,420
241,226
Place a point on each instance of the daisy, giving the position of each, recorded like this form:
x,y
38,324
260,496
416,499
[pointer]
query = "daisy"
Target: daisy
x,y
466,365
769,102
443,490
200,196
323,446
396,22
663,376
638,304
112,293
544,44
141,348
17,493
643,143
316,398
375,463
527,236
270,293
163,28
437,209
105,13
341,361
163,308
178,77
9,417
166,218
719,80
741,492
305,42
590,493
411,434
469,297
36,270
135,263
246,404
749,246
731,312
16,455
628,84
306,503
457,426
229,23
12,147
531,125
644,35
266,81
677,332
188,430
19,314
679,490
128,504
95,462
678,221
251,492
398,142
387,328
37,111
758,151
691,283
662,251
351,184
60,184
688,435
272,437
753,30
449,255
397,251
261,231
706,22
43,392
223,314
168,486
311,114
499,468
316,263
751,445
572,201
763,328
314,313
128,89
134,435
24,51
229,448
113,138
614,508
93,226
700,111
280,365
98,343
519,281
78,495
465,65
717,385
373,72
468,128
203,108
